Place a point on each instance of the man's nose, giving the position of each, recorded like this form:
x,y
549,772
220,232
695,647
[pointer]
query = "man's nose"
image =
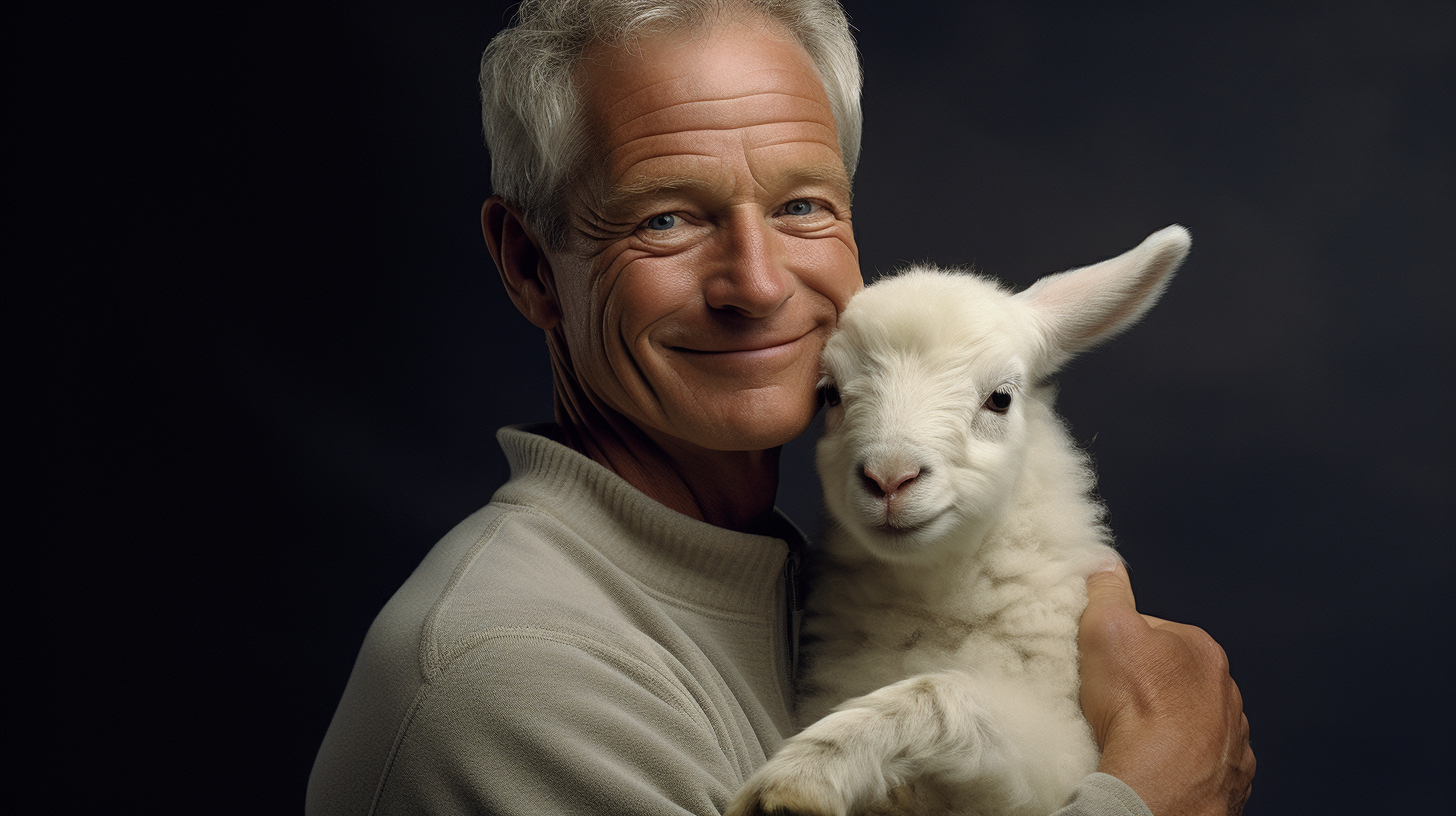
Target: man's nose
x,y
752,277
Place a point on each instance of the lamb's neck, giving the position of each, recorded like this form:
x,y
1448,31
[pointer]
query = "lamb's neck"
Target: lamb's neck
x,y
1007,607
970,579
966,582
936,584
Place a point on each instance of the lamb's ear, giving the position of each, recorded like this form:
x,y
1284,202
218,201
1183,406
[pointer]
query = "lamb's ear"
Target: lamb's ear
x,y
1080,308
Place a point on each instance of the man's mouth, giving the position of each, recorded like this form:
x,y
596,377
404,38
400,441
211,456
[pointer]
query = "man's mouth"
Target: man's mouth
x,y
755,356
766,346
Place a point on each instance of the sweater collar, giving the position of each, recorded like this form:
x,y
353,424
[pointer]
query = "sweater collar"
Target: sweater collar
x,y
669,553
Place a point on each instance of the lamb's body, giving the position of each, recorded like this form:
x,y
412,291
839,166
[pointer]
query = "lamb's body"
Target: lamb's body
x,y
953,575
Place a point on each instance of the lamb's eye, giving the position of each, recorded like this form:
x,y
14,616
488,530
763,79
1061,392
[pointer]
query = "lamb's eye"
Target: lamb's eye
x,y
999,401
830,395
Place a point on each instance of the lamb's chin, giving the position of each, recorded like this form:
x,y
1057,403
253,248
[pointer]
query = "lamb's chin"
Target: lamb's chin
x,y
904,539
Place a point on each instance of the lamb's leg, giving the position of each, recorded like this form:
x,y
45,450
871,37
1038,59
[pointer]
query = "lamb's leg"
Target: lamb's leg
x,y
951,733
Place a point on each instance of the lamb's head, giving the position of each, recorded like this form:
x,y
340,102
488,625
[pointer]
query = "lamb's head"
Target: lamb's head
x,y
930,384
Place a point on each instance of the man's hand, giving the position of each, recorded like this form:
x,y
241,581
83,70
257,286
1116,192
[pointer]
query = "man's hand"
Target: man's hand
x,y
1168,717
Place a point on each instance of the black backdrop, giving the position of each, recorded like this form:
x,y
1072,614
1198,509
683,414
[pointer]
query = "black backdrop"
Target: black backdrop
x,y
262,353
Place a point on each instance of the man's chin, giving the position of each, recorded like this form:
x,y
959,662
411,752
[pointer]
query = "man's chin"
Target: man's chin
x,y
757,431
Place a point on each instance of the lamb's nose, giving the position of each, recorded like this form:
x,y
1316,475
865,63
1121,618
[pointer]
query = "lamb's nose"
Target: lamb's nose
x,y
882,486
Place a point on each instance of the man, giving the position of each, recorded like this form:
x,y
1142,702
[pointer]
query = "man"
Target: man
x,y
610,634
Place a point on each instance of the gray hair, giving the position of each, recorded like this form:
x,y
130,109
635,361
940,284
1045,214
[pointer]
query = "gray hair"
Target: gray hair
x,y
532,115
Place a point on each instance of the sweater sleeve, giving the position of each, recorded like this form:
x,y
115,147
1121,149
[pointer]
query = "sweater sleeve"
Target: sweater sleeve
x,y
532,724
1103,795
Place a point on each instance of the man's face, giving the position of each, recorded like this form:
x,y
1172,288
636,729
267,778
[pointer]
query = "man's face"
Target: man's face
x,y
706,273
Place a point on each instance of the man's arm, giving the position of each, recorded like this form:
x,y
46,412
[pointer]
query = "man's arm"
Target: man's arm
x,y
545,723
1166,714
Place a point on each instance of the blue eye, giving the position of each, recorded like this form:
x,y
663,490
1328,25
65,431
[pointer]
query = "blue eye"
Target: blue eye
x,y
665,221
799,207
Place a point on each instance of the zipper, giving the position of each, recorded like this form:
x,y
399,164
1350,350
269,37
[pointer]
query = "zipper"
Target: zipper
x,y
794,597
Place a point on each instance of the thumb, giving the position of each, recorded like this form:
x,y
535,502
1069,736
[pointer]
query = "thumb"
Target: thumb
x,y
1107,638
1108,589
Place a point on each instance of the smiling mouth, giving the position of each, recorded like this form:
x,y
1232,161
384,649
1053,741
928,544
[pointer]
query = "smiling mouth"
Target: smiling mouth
x,y
759,350
768,346
753,366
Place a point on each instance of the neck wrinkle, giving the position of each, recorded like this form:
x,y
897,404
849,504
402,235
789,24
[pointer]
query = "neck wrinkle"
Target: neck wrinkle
x,y
735,490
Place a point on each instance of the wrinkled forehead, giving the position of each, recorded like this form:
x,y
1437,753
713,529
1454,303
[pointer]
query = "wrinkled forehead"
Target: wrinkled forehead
x,y
731,113
733,73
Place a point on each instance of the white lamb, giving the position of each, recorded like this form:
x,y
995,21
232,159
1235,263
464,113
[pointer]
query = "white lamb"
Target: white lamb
x,y
962,531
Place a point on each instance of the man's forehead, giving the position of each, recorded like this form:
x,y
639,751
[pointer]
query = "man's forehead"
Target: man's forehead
x,y
748,65
734,112
761,117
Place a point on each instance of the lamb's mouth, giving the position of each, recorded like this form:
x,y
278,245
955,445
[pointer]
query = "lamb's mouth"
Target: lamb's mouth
x,y
900,528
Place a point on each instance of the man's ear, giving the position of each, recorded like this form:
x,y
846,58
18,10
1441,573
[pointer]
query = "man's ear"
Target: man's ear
x,y
524,267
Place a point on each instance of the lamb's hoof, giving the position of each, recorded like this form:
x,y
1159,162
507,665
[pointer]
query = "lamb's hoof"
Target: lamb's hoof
x,y
764,798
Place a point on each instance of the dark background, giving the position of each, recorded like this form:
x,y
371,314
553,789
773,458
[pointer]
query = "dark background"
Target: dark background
x,y
263,353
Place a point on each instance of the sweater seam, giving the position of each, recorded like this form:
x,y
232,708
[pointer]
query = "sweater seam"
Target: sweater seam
x,y
416,705
431,663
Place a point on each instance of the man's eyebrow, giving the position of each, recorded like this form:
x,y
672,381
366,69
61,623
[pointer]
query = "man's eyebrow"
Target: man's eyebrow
x,y
626,196
820,174
645,187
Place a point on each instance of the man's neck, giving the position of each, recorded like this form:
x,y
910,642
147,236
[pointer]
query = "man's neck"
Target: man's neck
x,y
730,489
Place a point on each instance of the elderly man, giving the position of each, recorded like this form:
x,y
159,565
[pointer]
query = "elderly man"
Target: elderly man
x,y
611,634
